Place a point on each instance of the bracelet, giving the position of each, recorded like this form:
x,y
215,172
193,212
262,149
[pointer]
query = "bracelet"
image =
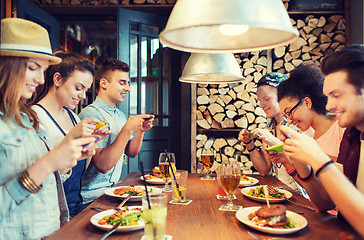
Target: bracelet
x,y
28,183
292,172
323,167
308,178
251,150
248,142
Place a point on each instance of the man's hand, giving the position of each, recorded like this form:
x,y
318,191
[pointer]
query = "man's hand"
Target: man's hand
x,y
303,148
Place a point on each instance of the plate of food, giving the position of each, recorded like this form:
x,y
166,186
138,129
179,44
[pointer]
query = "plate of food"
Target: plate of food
x,y
155,177
274,194
247,181
123,191
131,219
274,220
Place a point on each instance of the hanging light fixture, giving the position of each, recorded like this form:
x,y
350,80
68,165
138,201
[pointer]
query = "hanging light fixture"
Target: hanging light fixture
x,y
217,26
211,68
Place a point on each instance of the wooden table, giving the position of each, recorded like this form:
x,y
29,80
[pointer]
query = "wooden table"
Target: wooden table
x,y
202,220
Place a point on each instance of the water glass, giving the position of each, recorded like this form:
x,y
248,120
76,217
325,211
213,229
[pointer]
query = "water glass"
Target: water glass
x,y
155,216
179,193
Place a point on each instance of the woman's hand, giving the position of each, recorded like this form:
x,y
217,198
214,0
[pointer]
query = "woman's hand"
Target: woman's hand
x,y
67,153
266,136
84,128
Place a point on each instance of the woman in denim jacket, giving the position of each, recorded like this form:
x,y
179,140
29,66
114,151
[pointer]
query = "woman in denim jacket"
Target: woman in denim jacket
x,y
31,196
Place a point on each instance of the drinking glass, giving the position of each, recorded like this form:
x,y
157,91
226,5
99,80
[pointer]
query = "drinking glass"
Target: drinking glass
x,y
207,160
164,167
155,216
179,193
230,174
221,194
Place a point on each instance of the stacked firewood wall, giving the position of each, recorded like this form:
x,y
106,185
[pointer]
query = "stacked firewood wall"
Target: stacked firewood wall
x,y
319,36
234,106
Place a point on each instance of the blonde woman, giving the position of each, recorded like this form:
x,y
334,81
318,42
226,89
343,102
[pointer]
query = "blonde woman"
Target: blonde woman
x,y
31,194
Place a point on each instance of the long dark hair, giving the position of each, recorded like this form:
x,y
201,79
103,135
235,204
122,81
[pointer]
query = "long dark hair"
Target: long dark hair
x,y
70,63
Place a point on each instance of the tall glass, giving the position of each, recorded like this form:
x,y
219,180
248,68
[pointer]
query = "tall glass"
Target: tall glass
x,y
207,160
165,169
230,174
179,193
155,216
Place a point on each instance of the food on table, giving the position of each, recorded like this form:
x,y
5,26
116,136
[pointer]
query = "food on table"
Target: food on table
x,y
272,192
273,216
138,191
245,178
156,173
126,217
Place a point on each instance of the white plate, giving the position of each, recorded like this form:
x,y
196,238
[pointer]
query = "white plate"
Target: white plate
x,y
252,182
245,191
243,213
110,192
97,217
157,181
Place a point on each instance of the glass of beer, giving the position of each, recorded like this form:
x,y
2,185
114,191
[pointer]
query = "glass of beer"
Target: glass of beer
x,y
230,173
207,160
164,166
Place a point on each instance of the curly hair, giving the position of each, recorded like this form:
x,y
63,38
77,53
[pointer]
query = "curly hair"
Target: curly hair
x,y
70,63
349,59
305,81
108,65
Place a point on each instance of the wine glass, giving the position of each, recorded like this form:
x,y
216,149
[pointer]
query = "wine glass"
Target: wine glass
x,y
207,160
230,174
165,169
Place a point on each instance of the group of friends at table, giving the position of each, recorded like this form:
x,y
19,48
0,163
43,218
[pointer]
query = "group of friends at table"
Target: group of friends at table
x,y
53,163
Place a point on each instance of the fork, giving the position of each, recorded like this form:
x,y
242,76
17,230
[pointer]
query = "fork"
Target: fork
x,y
124,201
111,231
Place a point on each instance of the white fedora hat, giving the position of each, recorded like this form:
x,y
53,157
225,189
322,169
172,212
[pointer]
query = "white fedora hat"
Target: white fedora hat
x,y
23,38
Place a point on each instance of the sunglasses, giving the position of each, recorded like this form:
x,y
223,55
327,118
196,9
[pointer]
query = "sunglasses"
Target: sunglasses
x,y
290,113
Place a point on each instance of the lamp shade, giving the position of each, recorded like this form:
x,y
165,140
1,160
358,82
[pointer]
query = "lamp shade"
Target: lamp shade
x,y
216,26
211,68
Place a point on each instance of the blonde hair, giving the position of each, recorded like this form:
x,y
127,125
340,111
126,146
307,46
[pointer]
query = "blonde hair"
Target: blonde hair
x,y
12,81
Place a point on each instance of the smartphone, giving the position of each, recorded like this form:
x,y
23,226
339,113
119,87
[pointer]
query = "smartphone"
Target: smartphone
x,y
277,148
100,124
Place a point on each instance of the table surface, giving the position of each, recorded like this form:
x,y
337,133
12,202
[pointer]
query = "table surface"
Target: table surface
x,y
201,219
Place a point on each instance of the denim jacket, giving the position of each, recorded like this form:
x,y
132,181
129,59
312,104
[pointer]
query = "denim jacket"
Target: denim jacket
x,y
94,182
24,215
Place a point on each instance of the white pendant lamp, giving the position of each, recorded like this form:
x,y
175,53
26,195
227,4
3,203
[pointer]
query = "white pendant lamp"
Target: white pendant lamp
x,y
216,26
211,68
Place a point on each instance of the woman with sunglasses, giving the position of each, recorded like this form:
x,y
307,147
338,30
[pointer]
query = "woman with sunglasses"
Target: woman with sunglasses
x,y
302,101
267,96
